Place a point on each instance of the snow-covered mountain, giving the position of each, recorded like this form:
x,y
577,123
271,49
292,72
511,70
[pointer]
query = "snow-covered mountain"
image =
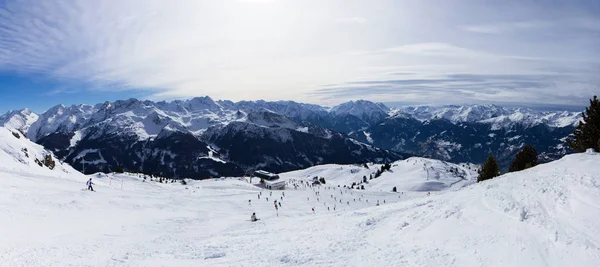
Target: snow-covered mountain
x,y
281,149
497,116
144,119
464,141
452,133
362,109
175,138
19,120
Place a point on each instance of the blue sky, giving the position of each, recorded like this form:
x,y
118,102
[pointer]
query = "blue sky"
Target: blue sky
x,y
528,53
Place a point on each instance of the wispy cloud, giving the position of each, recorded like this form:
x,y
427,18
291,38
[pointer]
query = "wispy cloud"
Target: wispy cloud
x,y
287,49
503,27
576,23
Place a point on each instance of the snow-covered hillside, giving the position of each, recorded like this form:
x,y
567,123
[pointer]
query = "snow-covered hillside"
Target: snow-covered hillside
x,y
18,154
413,174
545,216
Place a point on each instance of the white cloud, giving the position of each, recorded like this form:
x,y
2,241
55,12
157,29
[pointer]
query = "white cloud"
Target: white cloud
x,y
434,49
249,49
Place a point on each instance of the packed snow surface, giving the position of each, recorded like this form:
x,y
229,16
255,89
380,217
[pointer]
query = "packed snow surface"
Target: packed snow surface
x,y
545,216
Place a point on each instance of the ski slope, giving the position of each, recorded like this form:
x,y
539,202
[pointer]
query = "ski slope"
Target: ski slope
x,y
412,175
545,216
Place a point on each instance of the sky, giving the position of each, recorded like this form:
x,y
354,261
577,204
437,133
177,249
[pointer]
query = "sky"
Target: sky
x,y
524,53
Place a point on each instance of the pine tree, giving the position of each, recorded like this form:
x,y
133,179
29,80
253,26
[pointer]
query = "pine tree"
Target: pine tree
x,y
364,178
587,133
526,158
489,169
394,189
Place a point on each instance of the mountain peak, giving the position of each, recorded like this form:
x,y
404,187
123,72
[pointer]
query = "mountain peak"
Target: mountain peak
x,y
202,103
19,120
366,110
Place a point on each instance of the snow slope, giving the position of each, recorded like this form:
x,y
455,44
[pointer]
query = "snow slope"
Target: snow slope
x,y
545,216
413,174
18,154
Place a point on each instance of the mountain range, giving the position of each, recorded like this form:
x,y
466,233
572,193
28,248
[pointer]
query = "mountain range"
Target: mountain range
x,y
203,138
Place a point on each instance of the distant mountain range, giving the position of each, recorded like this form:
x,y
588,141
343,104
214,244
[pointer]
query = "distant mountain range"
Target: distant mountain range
x,y
202,138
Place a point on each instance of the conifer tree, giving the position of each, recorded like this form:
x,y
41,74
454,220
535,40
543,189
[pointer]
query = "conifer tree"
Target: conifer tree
x,y
489,169
526,158
587,133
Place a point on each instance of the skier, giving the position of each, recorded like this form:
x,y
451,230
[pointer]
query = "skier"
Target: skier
x,y
249,202
313,209
253,217
89,184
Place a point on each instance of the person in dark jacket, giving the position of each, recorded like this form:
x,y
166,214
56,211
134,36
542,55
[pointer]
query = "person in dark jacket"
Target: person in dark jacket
x,y
89,185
